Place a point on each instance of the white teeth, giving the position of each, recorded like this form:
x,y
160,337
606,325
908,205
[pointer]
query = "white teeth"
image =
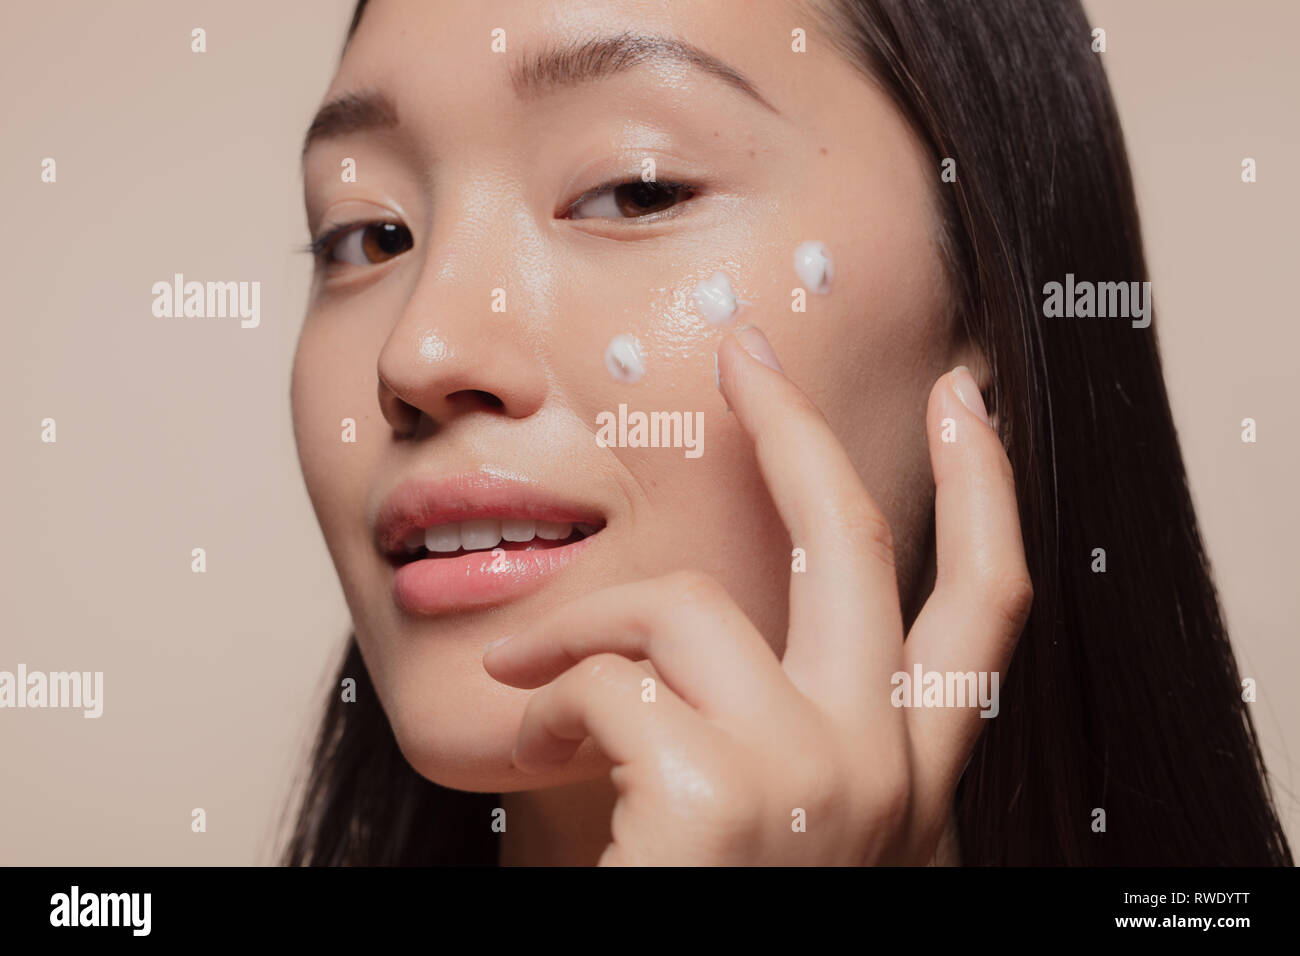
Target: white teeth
x,y
480,535
442,538
485,534
518,530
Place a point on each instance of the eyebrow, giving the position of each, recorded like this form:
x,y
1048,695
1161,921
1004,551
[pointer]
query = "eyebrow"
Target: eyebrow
x,y
602,57
537,74
351,113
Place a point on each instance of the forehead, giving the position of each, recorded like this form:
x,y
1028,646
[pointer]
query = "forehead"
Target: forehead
x,y
467,51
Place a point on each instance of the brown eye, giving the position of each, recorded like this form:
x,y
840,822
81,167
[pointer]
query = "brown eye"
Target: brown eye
x,y
370,244
630,200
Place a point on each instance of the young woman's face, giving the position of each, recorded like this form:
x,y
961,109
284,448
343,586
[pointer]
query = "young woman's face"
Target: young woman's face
x,y
467,338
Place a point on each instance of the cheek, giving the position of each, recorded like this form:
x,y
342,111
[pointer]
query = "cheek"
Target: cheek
x,y
855,316
650,351
868,354
338,431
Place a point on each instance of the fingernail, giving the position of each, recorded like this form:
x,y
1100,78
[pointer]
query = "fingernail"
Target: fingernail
x,y
497,643
968,392
757,345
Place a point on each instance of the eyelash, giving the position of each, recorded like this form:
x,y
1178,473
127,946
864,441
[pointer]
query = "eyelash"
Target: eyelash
x,y
320,247
691,192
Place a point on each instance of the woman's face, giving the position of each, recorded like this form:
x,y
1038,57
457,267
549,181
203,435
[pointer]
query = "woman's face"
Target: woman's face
x,y
467,340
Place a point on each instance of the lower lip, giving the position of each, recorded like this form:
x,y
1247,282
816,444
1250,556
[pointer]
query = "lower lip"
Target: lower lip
x,y
480,579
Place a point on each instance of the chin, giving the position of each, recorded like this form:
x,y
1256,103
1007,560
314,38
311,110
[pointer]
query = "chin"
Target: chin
x,y
462,736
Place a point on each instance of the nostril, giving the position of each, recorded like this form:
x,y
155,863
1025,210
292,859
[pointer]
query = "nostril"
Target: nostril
x,y
478,397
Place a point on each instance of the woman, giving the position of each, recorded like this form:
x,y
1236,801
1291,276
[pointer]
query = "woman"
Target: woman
x,y
822,236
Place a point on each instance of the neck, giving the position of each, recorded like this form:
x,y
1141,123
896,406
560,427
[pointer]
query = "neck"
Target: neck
x,y
558,826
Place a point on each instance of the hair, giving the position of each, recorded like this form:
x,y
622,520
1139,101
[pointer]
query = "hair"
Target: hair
x,y
1123,693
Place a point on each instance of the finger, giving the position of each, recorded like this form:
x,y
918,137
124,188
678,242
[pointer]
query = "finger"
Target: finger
x,y
603,698
845,635
685,624
982,593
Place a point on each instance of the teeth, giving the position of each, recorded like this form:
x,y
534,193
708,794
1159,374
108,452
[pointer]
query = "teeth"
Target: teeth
x,y
485,534
512,530
480,535
442,538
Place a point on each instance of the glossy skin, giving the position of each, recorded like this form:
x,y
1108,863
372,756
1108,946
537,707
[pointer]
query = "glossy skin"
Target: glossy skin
x,y
484,178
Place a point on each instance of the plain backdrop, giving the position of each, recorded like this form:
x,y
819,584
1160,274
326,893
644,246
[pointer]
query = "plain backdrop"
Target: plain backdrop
x,y
176,434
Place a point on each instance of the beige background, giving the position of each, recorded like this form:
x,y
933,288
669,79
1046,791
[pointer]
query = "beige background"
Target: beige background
x,y
176,434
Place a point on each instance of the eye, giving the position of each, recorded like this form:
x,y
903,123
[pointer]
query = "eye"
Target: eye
x,y
630,200
363,243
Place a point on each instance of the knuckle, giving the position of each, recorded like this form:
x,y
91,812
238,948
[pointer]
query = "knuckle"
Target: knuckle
x,y
734,803
725,812
863,525
1010,595
885,793
697,589
894,803
820,783
1018,599
890,801
805,411
602,668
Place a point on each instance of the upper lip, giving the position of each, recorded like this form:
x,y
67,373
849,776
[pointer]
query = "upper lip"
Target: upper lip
x,y
422,503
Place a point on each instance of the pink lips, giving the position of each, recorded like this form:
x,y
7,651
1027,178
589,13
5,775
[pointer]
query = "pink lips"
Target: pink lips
x,y
464,580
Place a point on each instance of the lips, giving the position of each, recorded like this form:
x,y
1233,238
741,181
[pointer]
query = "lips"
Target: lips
x,y
477,540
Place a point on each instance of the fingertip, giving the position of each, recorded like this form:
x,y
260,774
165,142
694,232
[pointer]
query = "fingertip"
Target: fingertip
x,y
740,345
755,343
502,667
956,405
967,390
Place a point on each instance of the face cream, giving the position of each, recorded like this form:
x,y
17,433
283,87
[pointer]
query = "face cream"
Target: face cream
x,y
813,264
715,300
624,360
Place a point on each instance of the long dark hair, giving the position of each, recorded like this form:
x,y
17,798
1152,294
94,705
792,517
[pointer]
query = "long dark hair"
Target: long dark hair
x,y
1124,695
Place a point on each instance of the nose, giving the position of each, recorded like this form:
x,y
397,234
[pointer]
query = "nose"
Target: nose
x,y
450,355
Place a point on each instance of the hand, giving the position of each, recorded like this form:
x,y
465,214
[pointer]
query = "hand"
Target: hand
x,y
737,742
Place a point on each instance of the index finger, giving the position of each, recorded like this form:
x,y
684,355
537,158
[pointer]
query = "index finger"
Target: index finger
x,y
846,633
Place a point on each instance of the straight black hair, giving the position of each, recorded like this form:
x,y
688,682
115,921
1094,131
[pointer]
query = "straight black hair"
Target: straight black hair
x,y
1124,695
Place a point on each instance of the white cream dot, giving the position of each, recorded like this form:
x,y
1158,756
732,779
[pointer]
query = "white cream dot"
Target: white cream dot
x,y
714,298
624,360
813,264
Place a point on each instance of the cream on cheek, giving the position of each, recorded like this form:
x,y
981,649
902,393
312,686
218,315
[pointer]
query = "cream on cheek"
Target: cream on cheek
x,y
714,299
624,360
711,303
695,497
664,335
812,263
